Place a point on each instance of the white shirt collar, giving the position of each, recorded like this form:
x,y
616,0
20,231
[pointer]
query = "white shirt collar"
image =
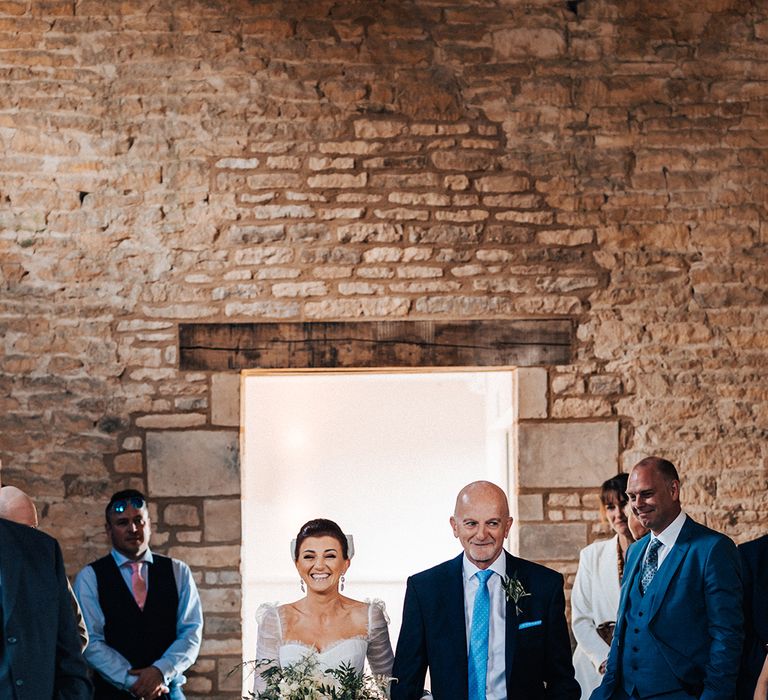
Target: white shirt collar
x,y
499,566
670,533
121,559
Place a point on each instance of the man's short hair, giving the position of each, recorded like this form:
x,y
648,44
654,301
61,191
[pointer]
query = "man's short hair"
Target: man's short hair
x,y
663,466
124,495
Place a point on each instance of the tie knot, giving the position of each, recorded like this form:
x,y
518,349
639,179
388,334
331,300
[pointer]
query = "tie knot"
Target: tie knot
x,y
135,565
655,544
483,576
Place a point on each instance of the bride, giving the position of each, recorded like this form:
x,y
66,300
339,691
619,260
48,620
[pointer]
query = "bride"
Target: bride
x,y
332,627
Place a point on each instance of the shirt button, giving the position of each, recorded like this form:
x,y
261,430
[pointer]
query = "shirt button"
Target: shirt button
x,y
19,682
11,640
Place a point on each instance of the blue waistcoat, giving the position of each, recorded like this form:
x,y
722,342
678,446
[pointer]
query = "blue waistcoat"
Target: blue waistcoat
x,y
644,669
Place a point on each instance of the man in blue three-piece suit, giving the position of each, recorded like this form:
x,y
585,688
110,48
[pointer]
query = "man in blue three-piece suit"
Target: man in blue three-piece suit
x,y
488,625
679,628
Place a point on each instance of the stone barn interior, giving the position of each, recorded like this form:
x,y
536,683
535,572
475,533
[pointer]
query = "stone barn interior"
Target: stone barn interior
x,y
191,190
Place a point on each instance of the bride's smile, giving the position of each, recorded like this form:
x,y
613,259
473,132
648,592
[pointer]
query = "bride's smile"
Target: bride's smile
x,y
321,563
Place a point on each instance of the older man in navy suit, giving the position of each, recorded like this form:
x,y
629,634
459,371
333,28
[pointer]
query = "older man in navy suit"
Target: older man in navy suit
x,y
679,628
488,625
39,648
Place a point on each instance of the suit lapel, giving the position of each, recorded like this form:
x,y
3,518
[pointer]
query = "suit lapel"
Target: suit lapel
x,y
510,626
669,567
453,596
10,568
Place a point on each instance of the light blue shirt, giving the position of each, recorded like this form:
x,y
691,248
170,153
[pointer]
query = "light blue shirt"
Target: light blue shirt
x,y
177,658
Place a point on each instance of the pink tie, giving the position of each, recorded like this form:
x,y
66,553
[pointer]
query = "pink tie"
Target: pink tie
x,y
138,584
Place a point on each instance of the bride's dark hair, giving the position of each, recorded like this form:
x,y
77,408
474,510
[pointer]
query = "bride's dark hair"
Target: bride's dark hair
x,y
321,527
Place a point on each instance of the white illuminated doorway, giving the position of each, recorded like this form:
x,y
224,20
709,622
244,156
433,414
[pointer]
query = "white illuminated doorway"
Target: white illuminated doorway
x,y
381,453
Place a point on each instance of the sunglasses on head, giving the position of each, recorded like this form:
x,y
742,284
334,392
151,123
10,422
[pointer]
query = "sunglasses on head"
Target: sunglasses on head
x,y
120,505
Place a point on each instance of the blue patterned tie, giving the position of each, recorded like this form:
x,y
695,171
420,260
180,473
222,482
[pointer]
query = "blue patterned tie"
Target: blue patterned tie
x,y
478,638
650,566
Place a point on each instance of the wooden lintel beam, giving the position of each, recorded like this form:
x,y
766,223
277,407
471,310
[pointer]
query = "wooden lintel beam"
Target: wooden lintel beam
x,y
347,344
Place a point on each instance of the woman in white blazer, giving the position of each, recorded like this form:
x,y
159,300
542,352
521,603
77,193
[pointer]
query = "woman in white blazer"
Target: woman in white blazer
x,y
595,595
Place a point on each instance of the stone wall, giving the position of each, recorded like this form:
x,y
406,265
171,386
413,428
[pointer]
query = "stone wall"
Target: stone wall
x,y
245,160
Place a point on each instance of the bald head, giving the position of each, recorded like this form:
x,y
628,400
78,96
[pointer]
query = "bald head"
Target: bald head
x,y
482,492
15,505
481,522
653,490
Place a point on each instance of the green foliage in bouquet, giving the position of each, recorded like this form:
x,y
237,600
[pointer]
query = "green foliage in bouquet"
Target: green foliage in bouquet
x,y
304,680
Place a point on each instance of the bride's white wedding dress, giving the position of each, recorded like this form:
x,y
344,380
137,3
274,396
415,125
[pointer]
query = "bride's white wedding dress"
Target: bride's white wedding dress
x,y
375,645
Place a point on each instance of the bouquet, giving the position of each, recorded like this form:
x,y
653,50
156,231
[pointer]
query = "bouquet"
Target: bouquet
x,y
304,680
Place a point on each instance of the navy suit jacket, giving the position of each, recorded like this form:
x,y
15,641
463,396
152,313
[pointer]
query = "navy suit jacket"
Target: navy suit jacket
x,y
696,613
433,634
754,561
39,628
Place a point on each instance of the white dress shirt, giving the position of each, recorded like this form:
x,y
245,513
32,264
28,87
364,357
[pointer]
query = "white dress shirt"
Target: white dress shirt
x,y
668,536
496,681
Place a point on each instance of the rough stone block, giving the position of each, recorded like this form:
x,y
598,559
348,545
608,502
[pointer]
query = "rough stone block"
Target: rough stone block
x,y
193,463
532,392
530,507
134,442
338,180
568,454
378,129
268,181
219,557
503,183
189,536
218,647
289,211
129,463
402,214
299,289
198,684
238,163
227,680
222,519
331,163
552,541
181,514
567,238
171,420
225,399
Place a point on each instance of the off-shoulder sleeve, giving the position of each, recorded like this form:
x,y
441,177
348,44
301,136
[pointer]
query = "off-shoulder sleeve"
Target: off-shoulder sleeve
x,y
268,642
380,656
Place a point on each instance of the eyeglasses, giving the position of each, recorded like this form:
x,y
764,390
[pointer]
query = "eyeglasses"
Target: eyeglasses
x,y
120,505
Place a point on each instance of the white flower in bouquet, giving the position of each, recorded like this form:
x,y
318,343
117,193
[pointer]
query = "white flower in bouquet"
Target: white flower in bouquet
x,y
305,680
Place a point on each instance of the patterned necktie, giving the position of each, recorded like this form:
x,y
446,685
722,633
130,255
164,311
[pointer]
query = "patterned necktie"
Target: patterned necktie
x,y
650,566
478,638
138,584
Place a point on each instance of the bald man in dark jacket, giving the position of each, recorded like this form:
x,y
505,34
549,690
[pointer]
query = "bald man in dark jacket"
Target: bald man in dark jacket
x,y
40,655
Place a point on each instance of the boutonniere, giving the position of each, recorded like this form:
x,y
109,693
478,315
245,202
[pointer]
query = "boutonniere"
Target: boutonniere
x,y
514,590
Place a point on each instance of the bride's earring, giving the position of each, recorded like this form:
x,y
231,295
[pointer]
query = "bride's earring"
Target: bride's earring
x,y
342,582
302,585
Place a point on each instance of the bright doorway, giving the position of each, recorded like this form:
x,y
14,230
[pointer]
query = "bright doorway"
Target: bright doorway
x,y
382,453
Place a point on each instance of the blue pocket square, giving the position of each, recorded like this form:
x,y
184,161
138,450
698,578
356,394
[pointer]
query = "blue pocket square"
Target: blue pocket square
x,y
524,625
